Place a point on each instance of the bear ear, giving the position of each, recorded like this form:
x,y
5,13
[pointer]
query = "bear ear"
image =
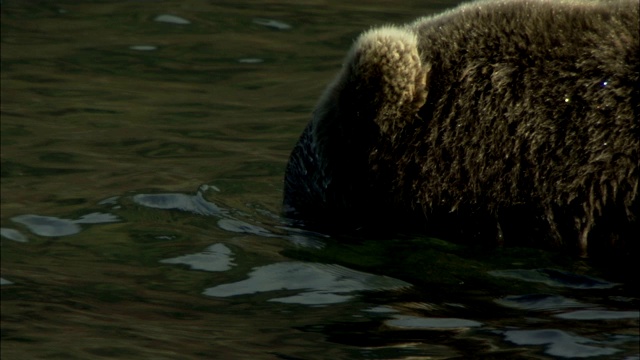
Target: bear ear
x,y
390,76
382,85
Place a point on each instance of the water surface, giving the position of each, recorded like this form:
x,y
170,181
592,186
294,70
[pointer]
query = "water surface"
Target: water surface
x,y
143,149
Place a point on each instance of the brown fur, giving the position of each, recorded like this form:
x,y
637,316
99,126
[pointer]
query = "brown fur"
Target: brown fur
x,y
520,113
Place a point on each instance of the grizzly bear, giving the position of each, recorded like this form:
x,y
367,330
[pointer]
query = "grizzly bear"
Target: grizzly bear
x,y
503,121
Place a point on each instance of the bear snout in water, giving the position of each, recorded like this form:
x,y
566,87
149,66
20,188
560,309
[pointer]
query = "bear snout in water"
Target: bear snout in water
x,y
503,120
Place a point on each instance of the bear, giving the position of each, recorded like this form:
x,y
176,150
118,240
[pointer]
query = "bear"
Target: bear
x,y
506,122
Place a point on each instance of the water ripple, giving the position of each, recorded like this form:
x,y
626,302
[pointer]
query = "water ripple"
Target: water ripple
x,y
171,19
190,203
558,343
321,284
12,234
216,257
555,278
599,315
416,323
539,302
50,226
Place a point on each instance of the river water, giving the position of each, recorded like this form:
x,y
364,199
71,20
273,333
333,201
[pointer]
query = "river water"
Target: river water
x,y
143,150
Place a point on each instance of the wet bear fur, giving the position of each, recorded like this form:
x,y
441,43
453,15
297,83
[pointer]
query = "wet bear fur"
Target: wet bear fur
x,y
512,121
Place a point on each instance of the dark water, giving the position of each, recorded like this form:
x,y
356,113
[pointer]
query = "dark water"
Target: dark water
x,y
143,148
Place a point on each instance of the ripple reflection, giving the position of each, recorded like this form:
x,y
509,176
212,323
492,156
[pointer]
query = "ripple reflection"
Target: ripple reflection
x,y
321,284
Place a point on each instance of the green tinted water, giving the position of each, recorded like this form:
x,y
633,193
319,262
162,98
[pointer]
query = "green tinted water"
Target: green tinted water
x,y
143,149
